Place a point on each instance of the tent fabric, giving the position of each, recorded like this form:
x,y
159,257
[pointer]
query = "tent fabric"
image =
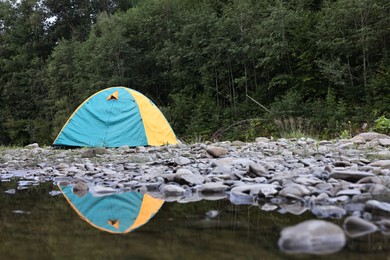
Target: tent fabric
x,y
116,117
115,213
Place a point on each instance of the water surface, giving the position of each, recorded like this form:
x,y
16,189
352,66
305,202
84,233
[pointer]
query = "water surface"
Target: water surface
x,y
35,225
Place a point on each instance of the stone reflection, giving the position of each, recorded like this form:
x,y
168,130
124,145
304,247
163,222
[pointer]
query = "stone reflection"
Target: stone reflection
x,y
110,212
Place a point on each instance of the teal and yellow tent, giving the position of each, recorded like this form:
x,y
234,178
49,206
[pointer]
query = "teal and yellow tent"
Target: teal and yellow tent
x,y
116,213
116,117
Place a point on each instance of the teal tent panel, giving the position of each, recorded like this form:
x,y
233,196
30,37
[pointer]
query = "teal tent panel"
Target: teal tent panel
x,y
100,122
123,208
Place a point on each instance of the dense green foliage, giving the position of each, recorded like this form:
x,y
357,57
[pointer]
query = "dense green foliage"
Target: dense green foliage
x,y
316,66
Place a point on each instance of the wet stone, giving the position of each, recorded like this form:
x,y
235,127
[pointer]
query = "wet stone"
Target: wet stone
x,y
349,192
384,225
215,187
356,227
269,207
55,193
173,190
378,208
329,211
212,213
191,179
10,191
312,237
294,190
293,207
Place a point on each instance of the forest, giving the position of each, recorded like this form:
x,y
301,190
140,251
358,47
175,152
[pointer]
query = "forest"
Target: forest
x,y
218,69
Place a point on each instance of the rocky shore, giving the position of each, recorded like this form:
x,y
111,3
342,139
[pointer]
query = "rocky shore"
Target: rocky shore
x,y
333,179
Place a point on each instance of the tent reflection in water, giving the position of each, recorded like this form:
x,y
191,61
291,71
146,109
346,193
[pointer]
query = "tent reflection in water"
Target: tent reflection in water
x,y
115,213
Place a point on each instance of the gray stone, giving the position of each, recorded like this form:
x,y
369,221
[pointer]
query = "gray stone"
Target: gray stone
x,y
182,161
90,153
329,211
191,179
349,175
346,145
308,181
7,157
255,189
356,227
307,162
382,155
238,143
212,196
32,146
384,225
321,187
384,142
258,169
295,207
384,164
342,164
183,171
269,207
109,171
140,158
42,165
216,152
173,190
294,190
349,192
213,187
262,139
312,237
369,136
378,189
378,208
89,167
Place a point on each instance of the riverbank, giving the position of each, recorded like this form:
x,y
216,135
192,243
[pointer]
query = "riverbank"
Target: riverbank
x,y
332,179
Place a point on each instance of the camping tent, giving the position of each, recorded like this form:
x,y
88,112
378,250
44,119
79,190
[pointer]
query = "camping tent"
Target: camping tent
x,y
116,117
115,213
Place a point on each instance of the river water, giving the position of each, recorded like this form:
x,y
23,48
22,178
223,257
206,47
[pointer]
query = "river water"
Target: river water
x,y
36,225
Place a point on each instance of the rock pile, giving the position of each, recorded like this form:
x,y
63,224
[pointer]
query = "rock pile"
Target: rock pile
x,y
332,179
